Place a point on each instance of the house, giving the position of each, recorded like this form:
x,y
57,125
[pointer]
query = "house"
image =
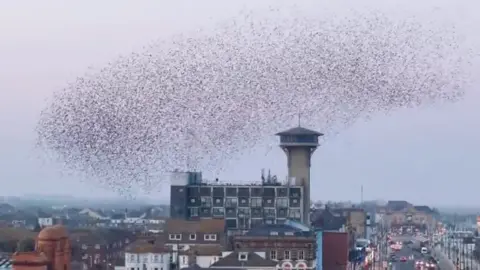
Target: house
x,y
244,260
203,256
420,217
94,214
356,220
44,219
135,217
117,219
286,244
95,246
155,216
325,219
20,219
198,232
6,208
144,254
393,206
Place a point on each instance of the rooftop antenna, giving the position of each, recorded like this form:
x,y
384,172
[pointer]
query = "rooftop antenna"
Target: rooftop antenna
x,y
361,194
299,119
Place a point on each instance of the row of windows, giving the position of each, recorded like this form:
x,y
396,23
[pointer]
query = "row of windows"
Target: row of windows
x,y
245,212
112,245
252,202
193,237
144,259
288,255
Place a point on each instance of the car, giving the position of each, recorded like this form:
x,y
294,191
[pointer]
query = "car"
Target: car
x,y
430,265
424,250
403,259
419,265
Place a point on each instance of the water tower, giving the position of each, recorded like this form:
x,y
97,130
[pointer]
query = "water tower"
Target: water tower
x,y
299,144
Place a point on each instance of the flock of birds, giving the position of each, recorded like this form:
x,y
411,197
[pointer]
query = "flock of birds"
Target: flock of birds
x,y
193,102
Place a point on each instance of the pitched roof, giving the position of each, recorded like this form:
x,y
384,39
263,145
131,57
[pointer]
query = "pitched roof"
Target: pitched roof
x,y
203,226
145,246
423,208
253,260
276,229
397,205
299,131
326,220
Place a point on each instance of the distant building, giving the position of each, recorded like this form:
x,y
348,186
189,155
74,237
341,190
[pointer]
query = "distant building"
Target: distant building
x,y
242,206
193,233
420,217
45,220
147,255
247,206
52,251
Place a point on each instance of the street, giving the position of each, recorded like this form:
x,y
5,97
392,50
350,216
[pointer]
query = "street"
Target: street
x,y
408,252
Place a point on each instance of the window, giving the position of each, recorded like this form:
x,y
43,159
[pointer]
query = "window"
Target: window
x,y
161,258
193,236
155,258
97,258
295,213
273,233
132,258
155,268
193,211
206,201
184,259
301,255
243,256
286,255
231,202
133,268
256,202
273,254
210,237
175,236
97,246
282,202
84,246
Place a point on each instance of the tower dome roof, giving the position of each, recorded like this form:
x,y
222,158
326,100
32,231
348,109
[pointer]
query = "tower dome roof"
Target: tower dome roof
x,y
53,233
299,131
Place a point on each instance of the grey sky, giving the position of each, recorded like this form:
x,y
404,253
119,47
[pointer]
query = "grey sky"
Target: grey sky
x,y
427,155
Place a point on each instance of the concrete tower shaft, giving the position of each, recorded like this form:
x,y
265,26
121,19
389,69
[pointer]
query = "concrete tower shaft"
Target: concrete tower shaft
x,y
299,144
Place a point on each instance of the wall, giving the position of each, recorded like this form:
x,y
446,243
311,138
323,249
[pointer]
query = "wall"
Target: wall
x,y
335,250
206,261
152,261
319,251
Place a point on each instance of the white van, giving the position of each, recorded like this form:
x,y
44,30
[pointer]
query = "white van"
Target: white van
x,y
424,250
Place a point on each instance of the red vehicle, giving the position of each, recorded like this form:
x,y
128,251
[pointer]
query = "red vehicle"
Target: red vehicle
x,y
403,259
418,265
